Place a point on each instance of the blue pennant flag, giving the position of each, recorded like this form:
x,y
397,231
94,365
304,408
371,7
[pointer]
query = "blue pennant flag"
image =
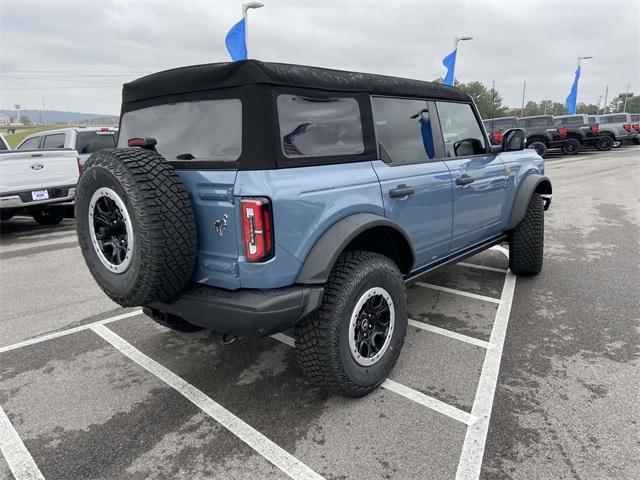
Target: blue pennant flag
x,y
572,99
450,62
235,42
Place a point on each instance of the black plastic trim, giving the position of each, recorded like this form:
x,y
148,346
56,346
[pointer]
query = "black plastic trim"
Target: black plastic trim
x,y
523,195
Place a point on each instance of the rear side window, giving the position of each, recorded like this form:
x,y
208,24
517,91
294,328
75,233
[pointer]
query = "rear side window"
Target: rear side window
x,y
90,142
498,125
593,120
30,144
202,130
319,127
614,119
53,141
537,122
403,130
575,121
460,130
634,117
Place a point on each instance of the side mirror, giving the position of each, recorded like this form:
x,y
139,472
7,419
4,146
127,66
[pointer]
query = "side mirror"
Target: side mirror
x,y
514,140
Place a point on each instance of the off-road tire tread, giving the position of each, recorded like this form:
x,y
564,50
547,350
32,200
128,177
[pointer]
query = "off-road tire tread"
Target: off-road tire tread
x,y
166,229
526,244
318,336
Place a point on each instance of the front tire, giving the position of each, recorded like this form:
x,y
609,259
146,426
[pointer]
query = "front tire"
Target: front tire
x,y
353,341
526,246
605,143
571,146
539,147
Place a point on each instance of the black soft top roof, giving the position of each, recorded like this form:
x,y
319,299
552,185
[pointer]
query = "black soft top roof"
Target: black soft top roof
x,y
213,76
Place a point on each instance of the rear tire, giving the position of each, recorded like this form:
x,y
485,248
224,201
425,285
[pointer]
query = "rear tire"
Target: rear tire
x,y
135,226
539,147
526,245
605,143
571,146
365,295
48,215
6,214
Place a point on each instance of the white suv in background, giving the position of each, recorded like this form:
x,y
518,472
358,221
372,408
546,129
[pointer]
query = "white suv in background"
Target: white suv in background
x,y
85,140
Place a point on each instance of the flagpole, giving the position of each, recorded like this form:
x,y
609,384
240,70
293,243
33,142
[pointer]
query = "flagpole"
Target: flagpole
x,y
245,16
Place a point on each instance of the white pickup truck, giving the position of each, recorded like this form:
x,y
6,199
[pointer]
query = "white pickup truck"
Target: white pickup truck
x,y
37,182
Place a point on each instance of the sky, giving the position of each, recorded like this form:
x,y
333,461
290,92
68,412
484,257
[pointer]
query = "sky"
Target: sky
x,y
75,55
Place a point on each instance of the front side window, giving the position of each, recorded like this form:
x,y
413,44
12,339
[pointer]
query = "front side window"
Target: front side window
x,y
319,127
201,130
460,130
53,141
30,144
403,130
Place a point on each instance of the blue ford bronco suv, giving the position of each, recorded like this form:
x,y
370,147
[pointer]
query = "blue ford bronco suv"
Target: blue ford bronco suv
x,y
249,198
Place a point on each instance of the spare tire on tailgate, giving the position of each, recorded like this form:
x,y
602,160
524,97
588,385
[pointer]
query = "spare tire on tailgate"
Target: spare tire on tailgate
x,y
135,226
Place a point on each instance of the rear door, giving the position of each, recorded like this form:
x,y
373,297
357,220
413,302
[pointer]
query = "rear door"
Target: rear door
x,y
479,177
416,187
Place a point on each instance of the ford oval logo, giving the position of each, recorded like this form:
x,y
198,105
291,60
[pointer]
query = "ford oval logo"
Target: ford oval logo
x,y
37,166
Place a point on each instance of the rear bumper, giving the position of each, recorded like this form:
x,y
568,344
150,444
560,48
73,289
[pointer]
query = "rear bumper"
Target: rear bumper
x,y
247,313
24,199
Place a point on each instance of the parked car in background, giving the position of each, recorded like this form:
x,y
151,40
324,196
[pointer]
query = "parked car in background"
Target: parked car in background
x,y
540,131
3,143
38,183
635,118
85,140
582,131
619,127
542,135
316,214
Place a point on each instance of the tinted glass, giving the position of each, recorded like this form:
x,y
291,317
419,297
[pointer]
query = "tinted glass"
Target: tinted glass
x,y
319,127
614,119
403,130
499,125
460,130
30,144
204,130
575,121
89,142
538,122
593,120
53,141
635,117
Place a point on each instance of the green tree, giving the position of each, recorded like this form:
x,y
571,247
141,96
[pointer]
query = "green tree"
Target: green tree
x,y
488,101
25,120
617,104
588,109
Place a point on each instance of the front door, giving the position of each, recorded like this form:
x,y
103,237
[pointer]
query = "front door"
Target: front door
x,y
416,188
479,178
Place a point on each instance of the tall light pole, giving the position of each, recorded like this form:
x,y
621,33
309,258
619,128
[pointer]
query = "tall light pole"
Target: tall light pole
x,y
245,8
455,47
579,60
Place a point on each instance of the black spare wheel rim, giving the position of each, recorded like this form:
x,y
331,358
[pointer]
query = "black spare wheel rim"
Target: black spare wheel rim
x,y
371,326
111,230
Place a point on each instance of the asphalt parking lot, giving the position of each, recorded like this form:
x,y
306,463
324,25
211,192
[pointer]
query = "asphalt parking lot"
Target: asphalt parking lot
x,y
499,378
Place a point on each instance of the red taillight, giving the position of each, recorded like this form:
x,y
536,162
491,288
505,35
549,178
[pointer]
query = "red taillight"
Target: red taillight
x,y
562,131
627,127
256,229
137,142
105,129
497,136
80,166
595,129
636,127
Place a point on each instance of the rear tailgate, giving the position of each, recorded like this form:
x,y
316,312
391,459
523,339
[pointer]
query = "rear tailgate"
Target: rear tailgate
x,y
37,170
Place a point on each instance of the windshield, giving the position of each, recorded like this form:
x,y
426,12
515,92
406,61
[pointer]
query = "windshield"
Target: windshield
x,y
90,142
203,130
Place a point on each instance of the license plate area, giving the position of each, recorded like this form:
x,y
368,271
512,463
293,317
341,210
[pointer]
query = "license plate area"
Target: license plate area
x,y
37,195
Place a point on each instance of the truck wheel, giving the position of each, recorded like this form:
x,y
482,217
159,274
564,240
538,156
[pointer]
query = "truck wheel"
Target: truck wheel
x,y
526,245
604,143
48,215
353,341
539,147
135,226
571,146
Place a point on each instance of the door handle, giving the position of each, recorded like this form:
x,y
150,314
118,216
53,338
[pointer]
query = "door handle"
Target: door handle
x,y
464,180
401,191
36,154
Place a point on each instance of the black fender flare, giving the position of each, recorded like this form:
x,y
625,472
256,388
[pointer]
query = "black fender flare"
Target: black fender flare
x,y
528,186
335,239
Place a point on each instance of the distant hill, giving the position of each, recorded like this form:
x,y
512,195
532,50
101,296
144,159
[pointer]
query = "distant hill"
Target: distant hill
x,y
57,116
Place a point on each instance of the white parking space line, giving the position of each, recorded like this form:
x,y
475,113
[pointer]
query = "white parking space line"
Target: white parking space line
x,y
15,453
484,298
408,392
430,402
261,444
62,333
483,267
448,333
470,462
